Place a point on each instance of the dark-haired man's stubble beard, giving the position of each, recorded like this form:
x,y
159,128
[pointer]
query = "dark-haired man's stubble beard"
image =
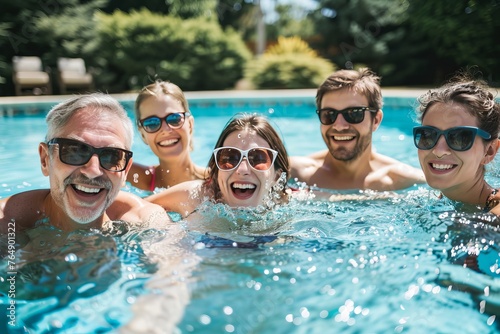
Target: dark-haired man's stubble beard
x,y
363,143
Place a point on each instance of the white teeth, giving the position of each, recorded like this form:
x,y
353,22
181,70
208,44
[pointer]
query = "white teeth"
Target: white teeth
x,y
243,186
343,137
87,190
168,142
442,166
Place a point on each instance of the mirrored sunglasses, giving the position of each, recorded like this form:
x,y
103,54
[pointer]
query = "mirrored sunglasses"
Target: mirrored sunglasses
x,y
460,138
174,121
76,153
259,158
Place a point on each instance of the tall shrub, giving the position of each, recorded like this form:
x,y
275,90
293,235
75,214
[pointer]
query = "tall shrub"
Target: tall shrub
x,y
196,53
290,63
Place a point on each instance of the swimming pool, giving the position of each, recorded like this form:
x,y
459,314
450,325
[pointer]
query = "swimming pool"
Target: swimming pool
x,y
377,266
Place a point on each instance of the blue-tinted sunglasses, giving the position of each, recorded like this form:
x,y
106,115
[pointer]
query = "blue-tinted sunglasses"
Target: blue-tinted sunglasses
x,y
174,121
459,138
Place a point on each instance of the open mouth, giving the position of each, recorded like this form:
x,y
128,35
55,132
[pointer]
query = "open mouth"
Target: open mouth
x,y
169,142
442,167
86,191
343,138
243,190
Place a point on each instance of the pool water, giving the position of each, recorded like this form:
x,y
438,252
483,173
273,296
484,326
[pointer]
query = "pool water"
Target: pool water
x,y
378,265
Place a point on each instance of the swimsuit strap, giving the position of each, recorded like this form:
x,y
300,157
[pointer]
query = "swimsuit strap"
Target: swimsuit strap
x,y
152,170
491,202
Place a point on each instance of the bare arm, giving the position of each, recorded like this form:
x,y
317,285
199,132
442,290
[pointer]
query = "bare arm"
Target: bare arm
x,y
133,209
391,174
22,211
406,175
182,198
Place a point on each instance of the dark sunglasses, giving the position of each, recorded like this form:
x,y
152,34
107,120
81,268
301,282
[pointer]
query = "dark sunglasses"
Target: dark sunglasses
x,y
459,138
259,158
353,115
153,123
76,153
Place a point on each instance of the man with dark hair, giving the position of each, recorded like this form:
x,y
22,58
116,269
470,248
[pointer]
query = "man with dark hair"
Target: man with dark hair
x,y
349,106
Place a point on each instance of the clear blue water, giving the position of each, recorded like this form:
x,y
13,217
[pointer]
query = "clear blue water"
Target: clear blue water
x,y
387,265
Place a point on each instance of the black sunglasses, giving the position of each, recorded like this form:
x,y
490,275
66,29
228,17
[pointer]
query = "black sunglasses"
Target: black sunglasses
x,y
259,158
76,153
153,123
459,138
353,115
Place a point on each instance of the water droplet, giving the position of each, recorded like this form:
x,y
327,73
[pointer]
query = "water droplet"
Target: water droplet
x,y
205,319
71,258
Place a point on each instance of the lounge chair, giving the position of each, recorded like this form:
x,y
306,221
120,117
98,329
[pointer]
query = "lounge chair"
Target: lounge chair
x,y
28,73
73,75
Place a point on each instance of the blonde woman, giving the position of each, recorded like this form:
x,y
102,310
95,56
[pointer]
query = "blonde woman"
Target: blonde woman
x,y
166,126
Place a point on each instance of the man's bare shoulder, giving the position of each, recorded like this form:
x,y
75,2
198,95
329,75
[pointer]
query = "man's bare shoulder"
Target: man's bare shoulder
x,y
303,167
25,209
391,174
134,209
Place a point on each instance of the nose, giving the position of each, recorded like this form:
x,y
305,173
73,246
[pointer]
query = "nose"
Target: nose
x,y
340,123
244,167
92,168
441,149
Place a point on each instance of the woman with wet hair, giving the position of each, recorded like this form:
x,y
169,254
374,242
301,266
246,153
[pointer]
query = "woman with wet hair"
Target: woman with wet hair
x,y
248,168
457,137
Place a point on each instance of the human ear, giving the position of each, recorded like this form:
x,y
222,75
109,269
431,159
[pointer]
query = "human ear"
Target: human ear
x,y
377,119
43,151
491,151
191,124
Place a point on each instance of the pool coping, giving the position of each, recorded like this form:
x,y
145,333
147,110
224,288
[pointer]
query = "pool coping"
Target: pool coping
x,y
200,95
36,105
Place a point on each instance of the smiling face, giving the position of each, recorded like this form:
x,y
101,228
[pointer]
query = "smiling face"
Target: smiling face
x,y
83,193
344,140
245,186
166,143
448,170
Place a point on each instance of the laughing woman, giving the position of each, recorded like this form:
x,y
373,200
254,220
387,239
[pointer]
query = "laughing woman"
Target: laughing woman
x,y
248,169
166,126
457,138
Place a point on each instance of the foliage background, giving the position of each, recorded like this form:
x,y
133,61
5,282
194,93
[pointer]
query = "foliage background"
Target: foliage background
x,y
211,44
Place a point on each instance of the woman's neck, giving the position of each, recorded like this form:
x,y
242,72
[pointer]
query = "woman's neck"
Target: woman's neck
x,y
477,194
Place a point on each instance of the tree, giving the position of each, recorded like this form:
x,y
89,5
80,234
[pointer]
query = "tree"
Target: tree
x,y
460,33
45,29
357,31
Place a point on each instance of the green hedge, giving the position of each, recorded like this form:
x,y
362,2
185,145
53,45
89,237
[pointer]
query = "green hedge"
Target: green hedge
x,y
196,54
288,64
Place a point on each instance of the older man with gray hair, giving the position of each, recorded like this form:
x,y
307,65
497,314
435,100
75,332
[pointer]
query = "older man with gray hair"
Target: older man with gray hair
x,y
86,155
